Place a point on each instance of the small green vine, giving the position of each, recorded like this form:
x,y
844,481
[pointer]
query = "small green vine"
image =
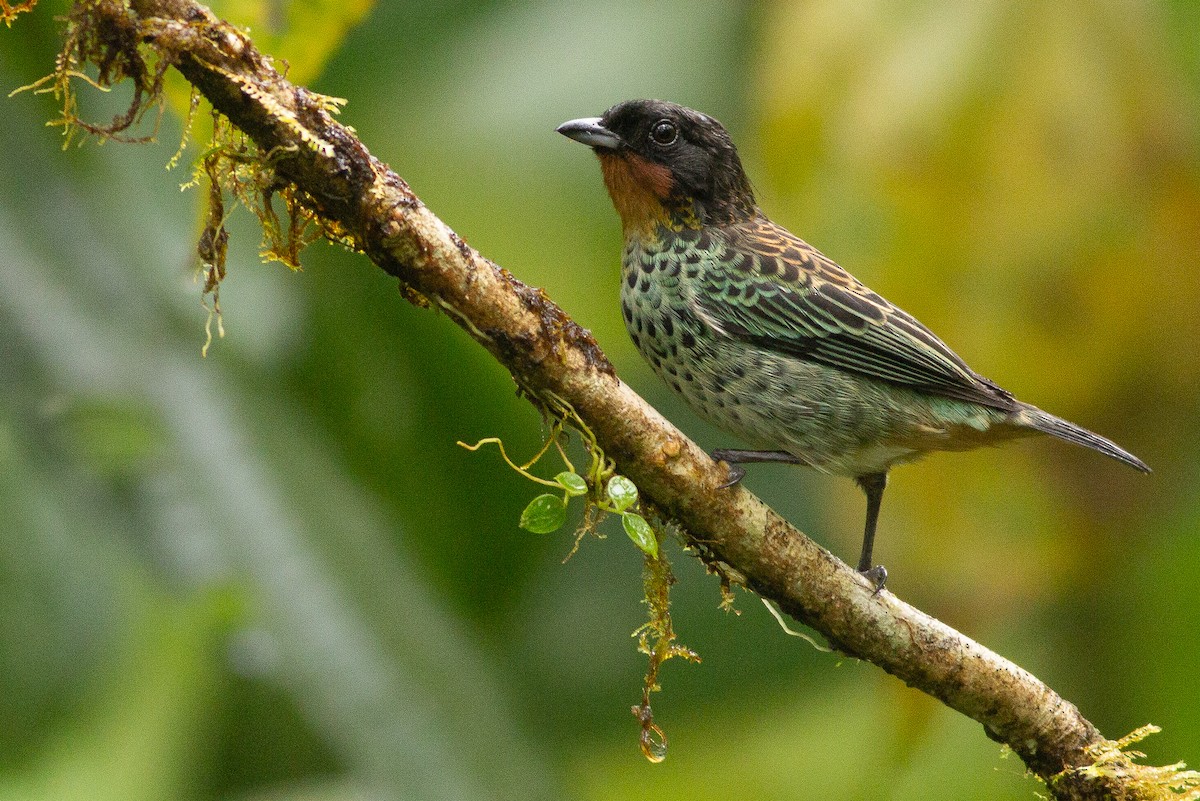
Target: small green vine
x,y
606,492
547,513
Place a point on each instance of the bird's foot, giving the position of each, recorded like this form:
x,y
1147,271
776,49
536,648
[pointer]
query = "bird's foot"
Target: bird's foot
x,y
734,457
736,473
876,575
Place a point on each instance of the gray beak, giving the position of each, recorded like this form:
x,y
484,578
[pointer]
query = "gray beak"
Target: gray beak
x,y
590,132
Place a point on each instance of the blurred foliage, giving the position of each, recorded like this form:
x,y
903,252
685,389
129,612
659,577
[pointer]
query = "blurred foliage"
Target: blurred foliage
x,y
271,573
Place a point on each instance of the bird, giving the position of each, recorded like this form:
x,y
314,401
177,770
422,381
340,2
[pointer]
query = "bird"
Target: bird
x,y
770,340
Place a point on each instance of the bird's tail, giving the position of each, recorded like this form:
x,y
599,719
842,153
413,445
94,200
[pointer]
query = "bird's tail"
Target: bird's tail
x,y
1035,418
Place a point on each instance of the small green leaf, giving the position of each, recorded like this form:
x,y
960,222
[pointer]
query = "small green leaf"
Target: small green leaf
x,y
622,493
544,514
640,532
573,483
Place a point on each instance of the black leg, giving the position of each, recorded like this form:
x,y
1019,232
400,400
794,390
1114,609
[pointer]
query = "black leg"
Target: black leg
x,y
873,485
736,457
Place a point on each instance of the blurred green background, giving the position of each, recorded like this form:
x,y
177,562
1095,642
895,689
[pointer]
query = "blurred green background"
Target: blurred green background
x,y
271,573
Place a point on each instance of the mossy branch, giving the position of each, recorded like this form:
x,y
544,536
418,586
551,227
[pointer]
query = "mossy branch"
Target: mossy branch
x,y
358,200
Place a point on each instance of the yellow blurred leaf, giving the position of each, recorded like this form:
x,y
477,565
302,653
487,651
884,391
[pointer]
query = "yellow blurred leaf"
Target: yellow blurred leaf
x,y
300,37
302,34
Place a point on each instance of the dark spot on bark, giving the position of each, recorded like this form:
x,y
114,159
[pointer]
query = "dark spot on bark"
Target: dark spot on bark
x,y
463,248
557,330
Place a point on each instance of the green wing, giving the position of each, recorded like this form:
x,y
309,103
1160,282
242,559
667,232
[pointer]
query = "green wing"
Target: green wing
x,y
774,290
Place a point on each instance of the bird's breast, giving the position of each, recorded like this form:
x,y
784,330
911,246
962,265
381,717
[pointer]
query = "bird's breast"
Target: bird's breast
x,y
660,279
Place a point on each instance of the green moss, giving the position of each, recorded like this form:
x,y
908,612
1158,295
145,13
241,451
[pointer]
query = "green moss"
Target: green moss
x,y
1114,765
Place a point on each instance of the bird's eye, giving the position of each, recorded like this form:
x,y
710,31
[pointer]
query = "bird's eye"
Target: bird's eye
x,y
664,133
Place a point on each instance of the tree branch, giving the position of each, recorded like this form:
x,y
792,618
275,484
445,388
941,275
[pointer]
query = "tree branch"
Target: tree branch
x,y
550,356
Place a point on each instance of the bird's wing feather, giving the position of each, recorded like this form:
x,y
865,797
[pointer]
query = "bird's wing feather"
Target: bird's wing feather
x,y
774,290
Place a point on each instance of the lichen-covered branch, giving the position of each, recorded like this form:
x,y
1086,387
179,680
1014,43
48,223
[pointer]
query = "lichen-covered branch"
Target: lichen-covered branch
x,y
359,200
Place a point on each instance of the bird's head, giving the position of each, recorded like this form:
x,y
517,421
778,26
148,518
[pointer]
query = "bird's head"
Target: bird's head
x,y
666,166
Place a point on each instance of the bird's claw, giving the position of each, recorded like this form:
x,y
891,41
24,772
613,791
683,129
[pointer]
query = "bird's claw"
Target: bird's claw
x,y
876,575
736,472
735,475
